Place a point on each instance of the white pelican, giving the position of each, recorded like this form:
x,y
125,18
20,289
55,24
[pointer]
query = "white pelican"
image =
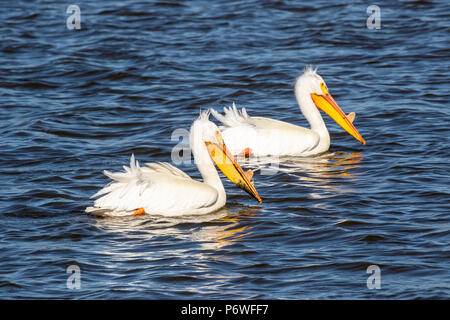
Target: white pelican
x,y
263,136
162,189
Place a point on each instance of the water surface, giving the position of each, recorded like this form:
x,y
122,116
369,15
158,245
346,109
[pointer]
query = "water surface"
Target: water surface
x,y
76,102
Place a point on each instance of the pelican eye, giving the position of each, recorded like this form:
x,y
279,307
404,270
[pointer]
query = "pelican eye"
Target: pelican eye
x,y
324,88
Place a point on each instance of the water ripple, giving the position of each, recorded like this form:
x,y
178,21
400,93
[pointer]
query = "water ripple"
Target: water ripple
x,y
76,102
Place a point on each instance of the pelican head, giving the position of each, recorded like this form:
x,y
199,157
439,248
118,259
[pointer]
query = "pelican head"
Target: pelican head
x,y
207,134
312,83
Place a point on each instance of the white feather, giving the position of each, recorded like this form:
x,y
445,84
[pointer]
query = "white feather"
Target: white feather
x,y
159,188
265,136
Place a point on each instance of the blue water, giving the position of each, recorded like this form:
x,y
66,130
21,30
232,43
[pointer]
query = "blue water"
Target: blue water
x,y
76,102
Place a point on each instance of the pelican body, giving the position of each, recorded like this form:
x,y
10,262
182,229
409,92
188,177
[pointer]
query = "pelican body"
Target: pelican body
x,y
264,136
162,189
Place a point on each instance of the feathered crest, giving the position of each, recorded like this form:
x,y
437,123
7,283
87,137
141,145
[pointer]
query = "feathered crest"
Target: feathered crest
x,y
309,69
204,115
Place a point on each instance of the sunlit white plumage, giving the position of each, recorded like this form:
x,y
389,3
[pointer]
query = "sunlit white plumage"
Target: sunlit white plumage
x,y
265,136
162,189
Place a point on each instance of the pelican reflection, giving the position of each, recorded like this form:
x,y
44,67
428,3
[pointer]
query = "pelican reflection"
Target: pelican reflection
x,y
210,231
322,175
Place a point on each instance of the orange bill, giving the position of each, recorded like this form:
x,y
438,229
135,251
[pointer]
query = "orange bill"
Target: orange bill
x,y
230,168
327,104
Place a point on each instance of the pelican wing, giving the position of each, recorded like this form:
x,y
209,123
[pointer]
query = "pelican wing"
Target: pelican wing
x,y
264,136
159,188
233,117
